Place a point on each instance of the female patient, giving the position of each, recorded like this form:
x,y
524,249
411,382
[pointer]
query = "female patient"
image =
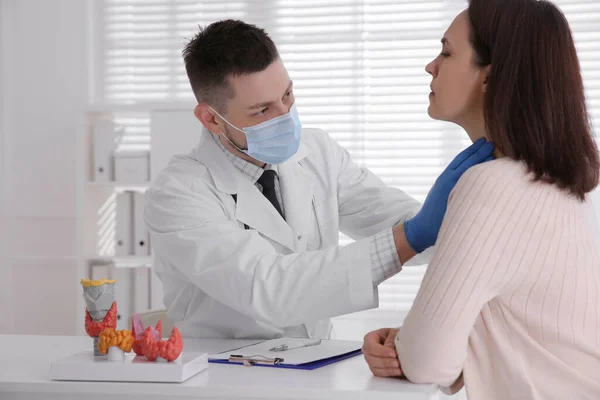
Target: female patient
x,y
511,299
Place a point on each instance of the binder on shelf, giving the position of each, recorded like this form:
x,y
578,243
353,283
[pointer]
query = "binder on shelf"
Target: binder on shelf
x,y
141,289
132,166
106,136
124,225
141,241
123,295
100,272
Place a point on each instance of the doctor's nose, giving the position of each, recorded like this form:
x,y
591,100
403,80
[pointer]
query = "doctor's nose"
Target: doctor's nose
x,y
281,108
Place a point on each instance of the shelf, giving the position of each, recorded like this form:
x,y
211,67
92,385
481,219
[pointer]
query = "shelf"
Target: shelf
x,y
141,107
120,185
122,262
46,260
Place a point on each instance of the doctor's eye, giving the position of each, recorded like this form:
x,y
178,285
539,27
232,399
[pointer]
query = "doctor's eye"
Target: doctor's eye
x,y
445,54
262,112
288,94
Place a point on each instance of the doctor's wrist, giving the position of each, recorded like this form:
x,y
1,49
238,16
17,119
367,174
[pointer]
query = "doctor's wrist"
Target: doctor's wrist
x,y
403,247
418,239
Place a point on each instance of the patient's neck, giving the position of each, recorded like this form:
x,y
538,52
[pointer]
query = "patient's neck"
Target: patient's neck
x,y
476,130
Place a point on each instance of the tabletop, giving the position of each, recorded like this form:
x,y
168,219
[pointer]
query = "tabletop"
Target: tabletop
x,y
25,363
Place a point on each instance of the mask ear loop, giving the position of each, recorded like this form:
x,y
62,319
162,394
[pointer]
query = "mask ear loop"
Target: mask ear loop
x,y
233,144
225,136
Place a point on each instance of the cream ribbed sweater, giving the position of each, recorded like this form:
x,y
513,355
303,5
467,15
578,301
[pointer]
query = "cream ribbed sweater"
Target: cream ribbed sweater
x,y
511,297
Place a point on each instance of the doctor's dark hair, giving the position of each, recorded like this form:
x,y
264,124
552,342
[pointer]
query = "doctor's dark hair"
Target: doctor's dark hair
x,y
223,49
535,107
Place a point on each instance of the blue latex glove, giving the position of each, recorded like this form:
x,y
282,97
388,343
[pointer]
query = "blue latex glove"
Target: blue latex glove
x,y
422,230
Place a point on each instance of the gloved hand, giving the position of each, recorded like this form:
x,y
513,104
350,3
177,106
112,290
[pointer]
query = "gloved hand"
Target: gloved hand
x,y
422,230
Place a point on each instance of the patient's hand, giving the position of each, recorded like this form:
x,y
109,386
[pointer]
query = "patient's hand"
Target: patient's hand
x,y
380,352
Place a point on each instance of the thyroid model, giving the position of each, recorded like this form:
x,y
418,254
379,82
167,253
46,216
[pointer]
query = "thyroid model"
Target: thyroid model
x,y
115,343
149,342
101,308
101,323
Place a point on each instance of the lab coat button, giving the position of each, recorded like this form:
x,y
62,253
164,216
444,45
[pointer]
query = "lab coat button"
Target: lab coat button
x,y
299,237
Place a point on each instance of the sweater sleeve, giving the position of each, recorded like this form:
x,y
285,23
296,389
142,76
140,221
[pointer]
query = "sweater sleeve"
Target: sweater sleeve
x,y
461,278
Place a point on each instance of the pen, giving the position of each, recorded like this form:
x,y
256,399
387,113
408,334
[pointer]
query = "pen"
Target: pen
x,y
285,347
253,360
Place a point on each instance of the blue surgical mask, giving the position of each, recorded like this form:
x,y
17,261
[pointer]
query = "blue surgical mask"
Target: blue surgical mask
x,y
274,141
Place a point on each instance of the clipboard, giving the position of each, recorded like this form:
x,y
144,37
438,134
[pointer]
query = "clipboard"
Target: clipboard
x,y
305,358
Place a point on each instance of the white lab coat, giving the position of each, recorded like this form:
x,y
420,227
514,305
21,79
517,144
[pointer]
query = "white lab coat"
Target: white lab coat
x,y
280,277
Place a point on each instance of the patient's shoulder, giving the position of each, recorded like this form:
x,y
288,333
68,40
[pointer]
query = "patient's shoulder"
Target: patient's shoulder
x,y
494,178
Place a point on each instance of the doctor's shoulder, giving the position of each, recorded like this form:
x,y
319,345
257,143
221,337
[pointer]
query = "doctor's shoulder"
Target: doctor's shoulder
x,y
184,184
319,142
181,194
184,171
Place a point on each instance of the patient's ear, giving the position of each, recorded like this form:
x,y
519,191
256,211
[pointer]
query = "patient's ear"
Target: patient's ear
x,y
485,76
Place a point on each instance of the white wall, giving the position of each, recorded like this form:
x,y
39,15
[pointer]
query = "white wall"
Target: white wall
x,y
6,324
43,89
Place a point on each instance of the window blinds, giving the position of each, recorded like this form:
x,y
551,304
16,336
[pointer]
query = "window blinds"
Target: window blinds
x,y
358,71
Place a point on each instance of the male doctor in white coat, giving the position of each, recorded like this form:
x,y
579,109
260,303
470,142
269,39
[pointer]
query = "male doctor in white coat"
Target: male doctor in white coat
x,y
245,227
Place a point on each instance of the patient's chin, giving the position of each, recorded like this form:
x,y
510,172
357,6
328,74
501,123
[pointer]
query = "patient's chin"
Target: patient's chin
x,y
433,112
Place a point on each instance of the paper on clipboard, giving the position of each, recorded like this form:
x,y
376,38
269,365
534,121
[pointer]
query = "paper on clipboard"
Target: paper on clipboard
x,y
327,349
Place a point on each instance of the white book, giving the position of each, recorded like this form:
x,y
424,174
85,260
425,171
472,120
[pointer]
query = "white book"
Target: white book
x,y
84,366
124,225
141,243
106,137
123,296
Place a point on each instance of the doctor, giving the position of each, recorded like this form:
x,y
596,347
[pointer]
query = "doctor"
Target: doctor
x,y
245,227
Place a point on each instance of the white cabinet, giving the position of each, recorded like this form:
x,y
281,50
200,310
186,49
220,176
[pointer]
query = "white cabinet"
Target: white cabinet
x,y
113,241
132,166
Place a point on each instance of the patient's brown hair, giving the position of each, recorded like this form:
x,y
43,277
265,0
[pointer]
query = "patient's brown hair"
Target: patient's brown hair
x,y
535,108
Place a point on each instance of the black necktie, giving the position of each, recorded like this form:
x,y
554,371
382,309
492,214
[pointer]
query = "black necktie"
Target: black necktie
x,y
267,181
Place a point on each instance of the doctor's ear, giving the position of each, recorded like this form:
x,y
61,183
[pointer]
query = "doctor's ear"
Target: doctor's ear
x,y
207,117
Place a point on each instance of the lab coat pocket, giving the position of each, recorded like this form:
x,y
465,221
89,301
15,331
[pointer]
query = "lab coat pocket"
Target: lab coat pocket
x,y
326,213
325,209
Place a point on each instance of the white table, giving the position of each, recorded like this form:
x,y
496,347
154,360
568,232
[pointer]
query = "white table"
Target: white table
x,y
25,363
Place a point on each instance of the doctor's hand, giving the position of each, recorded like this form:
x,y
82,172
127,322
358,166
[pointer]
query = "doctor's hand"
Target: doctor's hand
x,y
379,351
422,230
